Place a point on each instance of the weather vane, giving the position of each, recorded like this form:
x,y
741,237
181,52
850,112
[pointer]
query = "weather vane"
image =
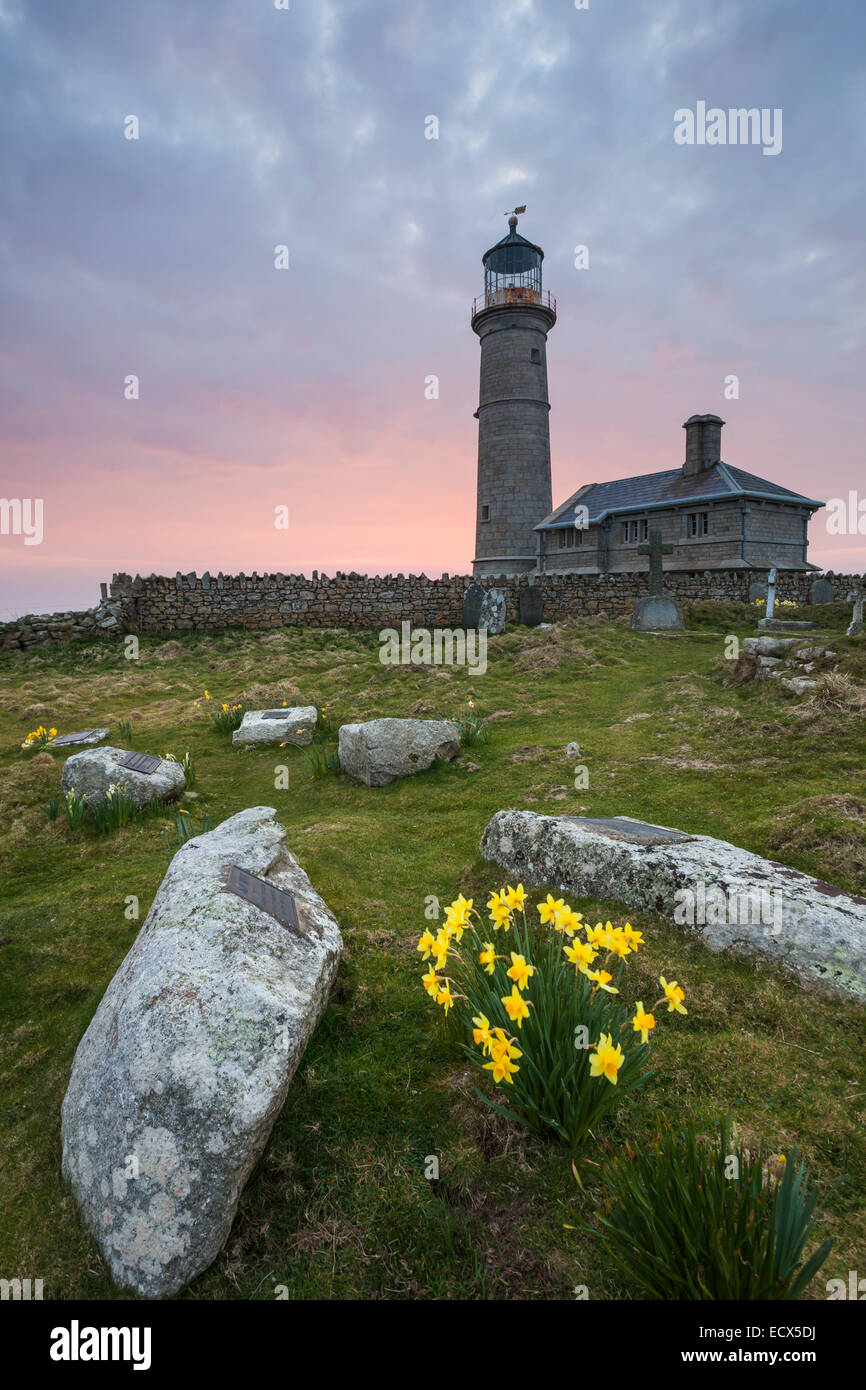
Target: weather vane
x,y
515,211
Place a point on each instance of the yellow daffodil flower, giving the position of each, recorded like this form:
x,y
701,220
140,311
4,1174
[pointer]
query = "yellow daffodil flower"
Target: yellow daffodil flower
x,y
520,970
481,1034
600,979
426,943
568,921
445,997
642,1022
550,909
487,957
674,995
516,1006
634,938
515,898
431,982
580,953
606,1060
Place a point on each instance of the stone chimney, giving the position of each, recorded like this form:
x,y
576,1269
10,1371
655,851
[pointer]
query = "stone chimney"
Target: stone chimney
x,y
703,443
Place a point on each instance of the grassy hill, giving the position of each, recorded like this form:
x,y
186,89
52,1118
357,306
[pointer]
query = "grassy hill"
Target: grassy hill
x,y
339,1205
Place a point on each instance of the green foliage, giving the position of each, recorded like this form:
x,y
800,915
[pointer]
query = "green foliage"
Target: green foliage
x,y
125,728
553,1088
690,1219
187,764
323,757
470,724
53,807
116,809
75,809
228,717
184,829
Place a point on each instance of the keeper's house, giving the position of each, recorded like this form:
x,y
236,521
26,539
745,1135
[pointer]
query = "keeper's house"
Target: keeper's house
x,y
715,517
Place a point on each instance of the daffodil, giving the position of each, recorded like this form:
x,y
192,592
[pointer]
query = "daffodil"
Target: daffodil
x,y
487,957
426,942
520,970
439,949
674,995
550,909
431,983
634,938
515,898
481,1034
516,1006
606,1059
642,1022
444,996
500,913
567,920
502,1067
600,979
618,943
580,953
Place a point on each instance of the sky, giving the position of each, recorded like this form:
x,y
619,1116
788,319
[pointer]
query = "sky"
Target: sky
x,y
305,388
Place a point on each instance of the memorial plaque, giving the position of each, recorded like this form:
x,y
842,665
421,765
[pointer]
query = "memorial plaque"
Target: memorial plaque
x,y
276,902
85,736
472,600
635,832
275,713
531,606
141,762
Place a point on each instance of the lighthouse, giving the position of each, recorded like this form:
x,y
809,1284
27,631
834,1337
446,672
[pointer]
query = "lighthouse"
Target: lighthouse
x,y
512,319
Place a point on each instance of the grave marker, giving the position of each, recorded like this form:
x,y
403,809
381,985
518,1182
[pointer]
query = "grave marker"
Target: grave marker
x,y
276,902
141,762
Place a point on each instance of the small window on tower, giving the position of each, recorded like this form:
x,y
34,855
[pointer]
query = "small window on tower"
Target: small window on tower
x,y
485,513
535,355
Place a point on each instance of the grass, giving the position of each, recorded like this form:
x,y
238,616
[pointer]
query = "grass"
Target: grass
x,y
339,1205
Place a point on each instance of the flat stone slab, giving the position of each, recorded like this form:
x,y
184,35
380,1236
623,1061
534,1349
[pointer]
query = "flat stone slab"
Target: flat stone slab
x,y
185,1066
91,772
86,736
733,899
382,750
290,725
784,625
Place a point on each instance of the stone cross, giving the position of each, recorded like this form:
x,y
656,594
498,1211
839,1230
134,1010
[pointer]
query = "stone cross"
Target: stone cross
x,y
856,624
655,550
771,593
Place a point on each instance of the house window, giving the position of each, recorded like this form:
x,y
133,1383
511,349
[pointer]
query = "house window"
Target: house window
x,y
634,531
569,537
697,523
485,513
535,355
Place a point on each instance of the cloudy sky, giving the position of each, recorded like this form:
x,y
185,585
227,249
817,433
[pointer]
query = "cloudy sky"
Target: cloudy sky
x,y
305,387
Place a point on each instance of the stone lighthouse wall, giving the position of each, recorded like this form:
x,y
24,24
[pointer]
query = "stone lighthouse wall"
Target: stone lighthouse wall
x,y
513,437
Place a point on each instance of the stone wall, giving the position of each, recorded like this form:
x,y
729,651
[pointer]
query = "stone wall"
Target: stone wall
x,y
107,619
201,602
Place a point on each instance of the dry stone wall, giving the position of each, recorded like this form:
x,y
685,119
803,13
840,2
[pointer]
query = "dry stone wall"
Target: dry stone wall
x,y
190,602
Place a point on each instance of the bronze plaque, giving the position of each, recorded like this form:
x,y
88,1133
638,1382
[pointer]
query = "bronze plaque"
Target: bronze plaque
x,y
140,762
276,902
275,713
635,832
63,739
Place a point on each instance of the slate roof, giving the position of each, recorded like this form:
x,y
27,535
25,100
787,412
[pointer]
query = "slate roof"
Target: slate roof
x,y
672,488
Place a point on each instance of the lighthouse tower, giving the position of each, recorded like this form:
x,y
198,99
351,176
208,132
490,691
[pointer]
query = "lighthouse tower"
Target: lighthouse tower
x,y
512,319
